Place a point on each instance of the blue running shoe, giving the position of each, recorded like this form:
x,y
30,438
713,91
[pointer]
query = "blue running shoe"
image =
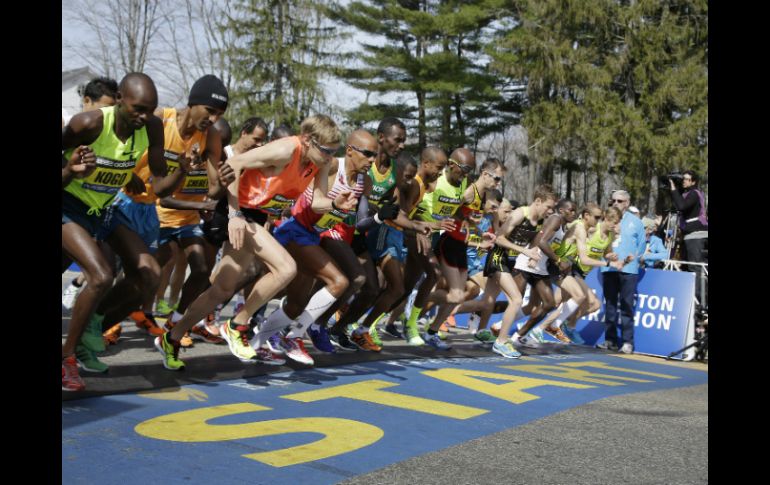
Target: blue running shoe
x,y
572,334
274,344
320,339
506,350
435,341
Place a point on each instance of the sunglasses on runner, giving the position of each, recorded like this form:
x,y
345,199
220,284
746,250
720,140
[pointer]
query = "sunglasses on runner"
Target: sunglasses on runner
x,y
496,177
618,200
465,168
366,153
326,150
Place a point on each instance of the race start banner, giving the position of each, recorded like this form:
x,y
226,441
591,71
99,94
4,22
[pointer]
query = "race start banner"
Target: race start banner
x,y
663,313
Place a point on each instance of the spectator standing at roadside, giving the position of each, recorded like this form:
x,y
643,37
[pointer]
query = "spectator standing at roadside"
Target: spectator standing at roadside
x,y
619,286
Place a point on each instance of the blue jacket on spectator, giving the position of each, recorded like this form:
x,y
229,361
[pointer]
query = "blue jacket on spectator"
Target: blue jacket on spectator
x,y
656,251
632,242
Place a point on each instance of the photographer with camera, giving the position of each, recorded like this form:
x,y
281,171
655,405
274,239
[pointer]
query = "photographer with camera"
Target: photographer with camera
x,y
690,202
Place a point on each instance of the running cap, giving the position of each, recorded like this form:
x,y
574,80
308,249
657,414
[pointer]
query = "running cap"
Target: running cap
x,y
208,91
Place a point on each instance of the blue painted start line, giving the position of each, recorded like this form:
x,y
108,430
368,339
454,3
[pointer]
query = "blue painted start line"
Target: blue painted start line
x,y
333,423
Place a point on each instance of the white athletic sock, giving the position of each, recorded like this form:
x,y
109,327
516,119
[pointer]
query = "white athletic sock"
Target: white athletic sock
x,y
176,316
275,322
569,309
318,304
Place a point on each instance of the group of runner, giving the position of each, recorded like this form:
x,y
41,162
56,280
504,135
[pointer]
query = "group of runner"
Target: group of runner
x,y
338,240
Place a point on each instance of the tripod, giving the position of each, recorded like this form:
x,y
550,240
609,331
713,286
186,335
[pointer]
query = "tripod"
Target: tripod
x,y
670,225
701,343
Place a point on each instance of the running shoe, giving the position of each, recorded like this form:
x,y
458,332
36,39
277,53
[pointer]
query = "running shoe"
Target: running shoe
x,y
558,335
92,334
393,331
572,334
413,336
627,348
295,350
341,340
112,335
70,295
506,350
186,341
200,332
88,361
320,338
238,341
536,334
607,345
484,336
70,379
525,341
274,344
375,334
435,341
146,322
169,351
450,321
265,356
364,341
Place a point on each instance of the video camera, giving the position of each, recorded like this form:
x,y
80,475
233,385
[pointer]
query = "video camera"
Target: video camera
x,y
677,177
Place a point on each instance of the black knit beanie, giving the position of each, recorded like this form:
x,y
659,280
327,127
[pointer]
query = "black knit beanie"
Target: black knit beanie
x,y
209,91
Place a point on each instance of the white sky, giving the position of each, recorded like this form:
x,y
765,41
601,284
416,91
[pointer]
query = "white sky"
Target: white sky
x,y
338,93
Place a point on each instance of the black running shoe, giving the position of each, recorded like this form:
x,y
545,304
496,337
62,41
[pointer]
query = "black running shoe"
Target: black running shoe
x,y
393,331
341,340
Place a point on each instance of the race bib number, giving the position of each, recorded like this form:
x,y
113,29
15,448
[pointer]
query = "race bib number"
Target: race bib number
x,y
330,219
109,175
277,205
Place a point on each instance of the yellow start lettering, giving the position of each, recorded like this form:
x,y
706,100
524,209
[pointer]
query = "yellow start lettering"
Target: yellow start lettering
x,y
371,391
574,374
511,392
603,366
339,435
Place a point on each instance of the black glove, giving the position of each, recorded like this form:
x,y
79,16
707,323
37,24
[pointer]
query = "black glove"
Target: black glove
x,y
387,211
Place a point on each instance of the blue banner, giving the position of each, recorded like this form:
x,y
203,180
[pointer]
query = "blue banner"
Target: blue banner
x,y
664,303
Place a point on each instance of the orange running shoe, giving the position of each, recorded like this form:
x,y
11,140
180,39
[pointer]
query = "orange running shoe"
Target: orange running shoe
x,y
558,335
450,321
201,332
364,341
185,342
112,334
147,323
